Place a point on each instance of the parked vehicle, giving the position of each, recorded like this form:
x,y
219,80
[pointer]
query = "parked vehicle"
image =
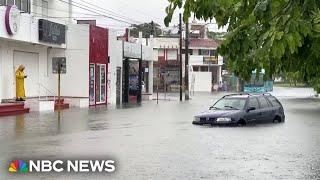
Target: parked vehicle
x,y
242,109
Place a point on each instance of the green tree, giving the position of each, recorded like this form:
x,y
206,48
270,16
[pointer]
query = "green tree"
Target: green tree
x,y
146,30
293,78
277,35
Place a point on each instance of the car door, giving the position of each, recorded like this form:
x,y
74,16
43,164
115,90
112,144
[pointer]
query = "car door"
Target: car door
x,y
266,110
277,108
253,116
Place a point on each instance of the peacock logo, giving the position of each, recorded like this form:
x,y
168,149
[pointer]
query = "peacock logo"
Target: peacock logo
x,y
18,166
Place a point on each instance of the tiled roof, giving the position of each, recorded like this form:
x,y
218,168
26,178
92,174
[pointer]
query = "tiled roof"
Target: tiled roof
x,y
203,43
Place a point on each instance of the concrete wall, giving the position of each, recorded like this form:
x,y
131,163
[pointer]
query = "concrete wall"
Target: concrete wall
x,y
196,60
28,31
7,65
115,53
76,82
161,43
55,9
202,81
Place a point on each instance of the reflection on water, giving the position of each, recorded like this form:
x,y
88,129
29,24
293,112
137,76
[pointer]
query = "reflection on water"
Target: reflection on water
x,y
19,126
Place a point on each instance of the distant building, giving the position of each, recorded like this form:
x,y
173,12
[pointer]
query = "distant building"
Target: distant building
x,y
205,65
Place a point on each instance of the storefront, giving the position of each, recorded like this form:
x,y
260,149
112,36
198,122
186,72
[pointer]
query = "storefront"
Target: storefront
x,y
136,72
32,43
98,68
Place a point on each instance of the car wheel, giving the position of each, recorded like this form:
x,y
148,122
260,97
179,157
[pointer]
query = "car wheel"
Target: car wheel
x,y
277,119
242,122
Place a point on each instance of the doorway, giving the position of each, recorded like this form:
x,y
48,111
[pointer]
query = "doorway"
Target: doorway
x,y
31,63
101,84
97,83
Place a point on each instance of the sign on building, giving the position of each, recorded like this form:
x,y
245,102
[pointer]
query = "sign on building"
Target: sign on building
x,y
147,53
91,22
59,62
210,60
52,32
12,20
131,50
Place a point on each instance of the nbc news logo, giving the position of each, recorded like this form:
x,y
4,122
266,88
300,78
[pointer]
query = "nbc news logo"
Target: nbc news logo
x,y
69,166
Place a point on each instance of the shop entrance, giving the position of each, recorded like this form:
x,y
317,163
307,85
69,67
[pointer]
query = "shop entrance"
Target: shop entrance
x,y
97,90
31,63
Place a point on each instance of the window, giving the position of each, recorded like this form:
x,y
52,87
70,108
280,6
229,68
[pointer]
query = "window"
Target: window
x,y
274,101
213,53
253,102
10,2
190,51
204,52
204,68
230,103
45,8
18,3
22,5
161,52
172,54
25,5
2,2
263,102
196,68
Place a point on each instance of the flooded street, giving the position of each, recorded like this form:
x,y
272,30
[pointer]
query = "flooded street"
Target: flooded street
x,y
158,141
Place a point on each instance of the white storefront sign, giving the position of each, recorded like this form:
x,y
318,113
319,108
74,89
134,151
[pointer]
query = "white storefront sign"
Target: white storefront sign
x,y
147,53
131,50
12,20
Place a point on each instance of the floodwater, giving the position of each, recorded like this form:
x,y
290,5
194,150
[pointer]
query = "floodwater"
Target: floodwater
x,y
158,141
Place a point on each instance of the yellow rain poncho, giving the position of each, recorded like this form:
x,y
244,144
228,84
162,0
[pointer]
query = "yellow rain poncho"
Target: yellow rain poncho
x,y
20,92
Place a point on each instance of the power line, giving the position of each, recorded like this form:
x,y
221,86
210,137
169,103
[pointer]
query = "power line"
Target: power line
x,y
88,9
140,12
109,11
59,10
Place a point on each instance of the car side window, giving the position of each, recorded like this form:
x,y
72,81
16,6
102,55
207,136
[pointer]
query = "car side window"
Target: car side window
x,y
253,102
274,101
263,102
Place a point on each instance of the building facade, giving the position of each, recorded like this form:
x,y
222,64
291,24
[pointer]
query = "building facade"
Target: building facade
x,y
167,68
31,35
205,65
30,38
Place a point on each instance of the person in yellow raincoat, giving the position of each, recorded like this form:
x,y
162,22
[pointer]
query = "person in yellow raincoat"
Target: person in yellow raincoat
x,y
20,92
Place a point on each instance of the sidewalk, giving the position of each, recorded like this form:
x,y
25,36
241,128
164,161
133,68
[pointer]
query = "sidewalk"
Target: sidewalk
x,y
293,92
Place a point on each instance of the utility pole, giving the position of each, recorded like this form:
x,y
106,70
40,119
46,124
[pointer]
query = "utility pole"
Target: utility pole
x,y
139,97
180,55
59,88
153,34
126,72
187,62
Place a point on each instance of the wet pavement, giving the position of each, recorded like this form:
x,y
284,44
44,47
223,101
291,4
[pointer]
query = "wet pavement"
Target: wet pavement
x,y
158,141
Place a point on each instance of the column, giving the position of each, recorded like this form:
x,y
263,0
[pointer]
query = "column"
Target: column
x,y
150,77
126,80
219,77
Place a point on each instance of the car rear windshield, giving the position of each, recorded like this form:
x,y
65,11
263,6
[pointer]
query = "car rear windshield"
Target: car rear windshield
x,y
274,101
230,103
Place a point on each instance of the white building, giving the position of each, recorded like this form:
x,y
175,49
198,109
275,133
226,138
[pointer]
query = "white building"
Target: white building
x,y
115,69
205,65
31,36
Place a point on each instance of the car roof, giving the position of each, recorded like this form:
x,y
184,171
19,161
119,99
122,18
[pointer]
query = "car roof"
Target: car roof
x,y
246,95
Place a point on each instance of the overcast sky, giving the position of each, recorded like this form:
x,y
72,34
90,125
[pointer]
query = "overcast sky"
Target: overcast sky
x,y
130,11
